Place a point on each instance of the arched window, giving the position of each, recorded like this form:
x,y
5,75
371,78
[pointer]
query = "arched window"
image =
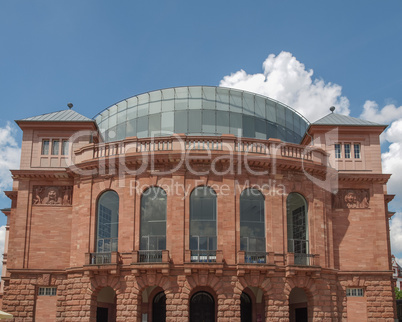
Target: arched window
x,y
107,227
153,224
297,227
203,225
202,307
252,226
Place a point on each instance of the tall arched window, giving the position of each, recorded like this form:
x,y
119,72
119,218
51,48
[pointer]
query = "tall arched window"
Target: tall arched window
x,y
153,224
203,225
297,228
252,226
107,227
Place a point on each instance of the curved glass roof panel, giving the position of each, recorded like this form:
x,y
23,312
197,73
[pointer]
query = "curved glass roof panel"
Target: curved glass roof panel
x,y
201,110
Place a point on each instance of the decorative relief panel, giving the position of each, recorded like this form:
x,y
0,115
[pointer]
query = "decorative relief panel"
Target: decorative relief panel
x,y
52,195
351,198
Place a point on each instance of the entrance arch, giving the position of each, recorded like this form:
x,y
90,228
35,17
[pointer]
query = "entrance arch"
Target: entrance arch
x,y
246,308
159,307
298,308
106,305
202,307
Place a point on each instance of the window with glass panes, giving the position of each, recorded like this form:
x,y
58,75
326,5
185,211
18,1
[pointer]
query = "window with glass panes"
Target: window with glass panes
x,y
54,147
47,291
356,149
347,150
107,222
338,153
153,219
203,219
354,292
252,221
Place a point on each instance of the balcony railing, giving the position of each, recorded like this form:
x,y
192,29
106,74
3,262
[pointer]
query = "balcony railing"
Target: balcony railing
x,y
102,258
304,259
273,148
255,257
203,256
150,256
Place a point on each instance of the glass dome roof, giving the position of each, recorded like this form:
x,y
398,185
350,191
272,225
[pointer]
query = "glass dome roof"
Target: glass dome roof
x,y
201,110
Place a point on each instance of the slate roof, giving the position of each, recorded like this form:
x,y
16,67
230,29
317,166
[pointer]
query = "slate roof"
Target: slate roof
x,y
339,119
68,115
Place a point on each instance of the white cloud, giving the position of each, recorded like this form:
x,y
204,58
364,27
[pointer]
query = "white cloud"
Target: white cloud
x,y
286,79
386,115
396,234
391,160
9,155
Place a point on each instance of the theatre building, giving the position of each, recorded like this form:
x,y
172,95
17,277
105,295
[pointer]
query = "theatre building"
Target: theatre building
x,y
198,204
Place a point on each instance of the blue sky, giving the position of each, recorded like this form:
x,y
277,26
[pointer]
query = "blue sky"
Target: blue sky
x,y
95,53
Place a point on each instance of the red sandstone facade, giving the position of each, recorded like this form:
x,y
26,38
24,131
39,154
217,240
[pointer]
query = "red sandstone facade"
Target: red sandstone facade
x,y
345,274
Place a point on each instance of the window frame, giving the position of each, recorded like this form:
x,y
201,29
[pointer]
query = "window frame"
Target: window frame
x,y
113,240
359,151
197,235
47,291
338,150
347,150
256,196
355,292
156,191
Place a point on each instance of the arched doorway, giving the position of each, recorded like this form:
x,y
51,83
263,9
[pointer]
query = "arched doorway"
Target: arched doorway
x,y
106,305
298,305
202,307
159,307
246,309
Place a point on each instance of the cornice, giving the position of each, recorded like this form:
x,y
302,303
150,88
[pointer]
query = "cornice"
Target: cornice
x,y
389,198
11,194
40,174
364,177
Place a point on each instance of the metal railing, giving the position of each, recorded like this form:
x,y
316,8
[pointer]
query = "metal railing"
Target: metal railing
x,y
100,258
203,256
304,259
300,249
150,256
255,257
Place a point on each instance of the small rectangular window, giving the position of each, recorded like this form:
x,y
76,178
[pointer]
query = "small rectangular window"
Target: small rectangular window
x,y
356,292
337,151
357,150
55,147
45,147
347,150
47,291
64,147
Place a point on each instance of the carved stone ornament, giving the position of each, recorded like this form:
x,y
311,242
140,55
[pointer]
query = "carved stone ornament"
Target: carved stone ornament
x,y
351,198
52,195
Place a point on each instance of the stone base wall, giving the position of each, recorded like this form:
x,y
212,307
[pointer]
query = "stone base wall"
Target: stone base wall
x,y
76,298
